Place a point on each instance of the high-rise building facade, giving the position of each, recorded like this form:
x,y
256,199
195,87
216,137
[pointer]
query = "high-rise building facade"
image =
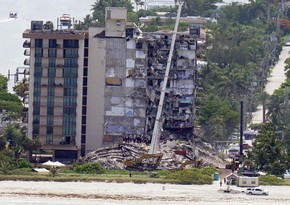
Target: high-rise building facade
x,y
89,89
57,71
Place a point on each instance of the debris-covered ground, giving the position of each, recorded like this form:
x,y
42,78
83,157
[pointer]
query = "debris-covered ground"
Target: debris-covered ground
x,y
176,155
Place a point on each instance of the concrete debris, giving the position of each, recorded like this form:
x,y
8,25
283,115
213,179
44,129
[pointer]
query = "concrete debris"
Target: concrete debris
x,y
176,155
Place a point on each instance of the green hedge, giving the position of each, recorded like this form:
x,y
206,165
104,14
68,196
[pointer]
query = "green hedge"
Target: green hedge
x,y
271,180
89,168
191,176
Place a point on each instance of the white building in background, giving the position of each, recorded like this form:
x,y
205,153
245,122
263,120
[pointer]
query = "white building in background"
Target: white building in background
x,y
149,4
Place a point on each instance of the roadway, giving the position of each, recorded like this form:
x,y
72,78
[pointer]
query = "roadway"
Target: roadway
x,y
275,80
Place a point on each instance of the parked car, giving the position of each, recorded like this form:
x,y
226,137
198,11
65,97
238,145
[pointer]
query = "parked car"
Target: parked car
x,y
257,191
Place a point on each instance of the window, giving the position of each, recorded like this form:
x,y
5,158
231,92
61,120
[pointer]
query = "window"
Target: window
x,y
37,72
70,53
51,62
38,62
49,130
36,100
70,82
86,42
52,52
52,43
36,92
50,101
83,129
70,72
70,43
108,14
85,72
69,130
36,110
69,111
69,101
69,120
84,110
85,90
37,81
38,43
84,100
83,139
70,92
85,81
84,120
85,61
50,110
38,52
35,120
71,62
50,120
35,129
49,139
86,52
50,81
50,92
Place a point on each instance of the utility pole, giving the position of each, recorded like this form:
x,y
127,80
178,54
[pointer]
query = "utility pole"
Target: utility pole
x,y
241,132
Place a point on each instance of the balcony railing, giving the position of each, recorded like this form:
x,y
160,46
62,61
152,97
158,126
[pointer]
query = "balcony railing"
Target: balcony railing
x,y
26,61
27,52
26,44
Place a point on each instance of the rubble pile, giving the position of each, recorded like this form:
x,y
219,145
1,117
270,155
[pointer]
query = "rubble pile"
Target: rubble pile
x,y
176,155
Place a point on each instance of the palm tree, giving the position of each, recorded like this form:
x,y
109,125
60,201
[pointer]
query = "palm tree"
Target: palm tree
x,y
275,109
263,99
268,151
137,2
21,89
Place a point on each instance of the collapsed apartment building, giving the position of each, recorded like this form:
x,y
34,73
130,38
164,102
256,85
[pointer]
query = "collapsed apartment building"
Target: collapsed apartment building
x,y
90,89
135,71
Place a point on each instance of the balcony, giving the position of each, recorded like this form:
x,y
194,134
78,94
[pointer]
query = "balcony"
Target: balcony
x,y
27,52
26,44
26,71
26,61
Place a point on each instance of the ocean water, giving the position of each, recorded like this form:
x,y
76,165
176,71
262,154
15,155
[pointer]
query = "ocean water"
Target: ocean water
x,y
11,50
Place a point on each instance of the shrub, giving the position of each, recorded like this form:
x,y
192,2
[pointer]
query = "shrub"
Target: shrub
x,y
23,163
270,180
191,176
153,175
163,172
21,171
53,171
208,170
89,168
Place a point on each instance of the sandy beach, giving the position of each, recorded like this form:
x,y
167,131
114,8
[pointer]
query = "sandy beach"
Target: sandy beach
x,y
100,193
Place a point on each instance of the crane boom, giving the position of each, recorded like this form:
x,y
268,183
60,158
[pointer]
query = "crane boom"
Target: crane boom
x,y
158,122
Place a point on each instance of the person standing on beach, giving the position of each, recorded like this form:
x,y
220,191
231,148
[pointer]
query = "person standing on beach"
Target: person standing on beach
x,y
221,182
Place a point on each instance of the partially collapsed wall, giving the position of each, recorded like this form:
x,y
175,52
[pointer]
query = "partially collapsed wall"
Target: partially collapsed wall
x,y
135,69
